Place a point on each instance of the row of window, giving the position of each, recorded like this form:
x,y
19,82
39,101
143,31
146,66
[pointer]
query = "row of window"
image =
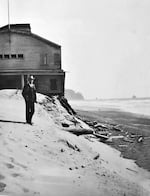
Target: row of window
x,y
11,56
57,60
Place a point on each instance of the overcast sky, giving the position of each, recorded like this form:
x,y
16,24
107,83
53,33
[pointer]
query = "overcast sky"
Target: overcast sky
x,y
105,43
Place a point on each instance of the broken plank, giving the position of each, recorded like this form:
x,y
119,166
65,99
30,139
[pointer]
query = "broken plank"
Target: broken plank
x,y
79,131
101,136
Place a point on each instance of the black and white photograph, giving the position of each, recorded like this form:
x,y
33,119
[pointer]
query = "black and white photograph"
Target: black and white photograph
x,y
75,98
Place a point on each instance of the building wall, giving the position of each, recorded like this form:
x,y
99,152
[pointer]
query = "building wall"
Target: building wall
x,y
47,84
50,84
34,51
37,56
10,82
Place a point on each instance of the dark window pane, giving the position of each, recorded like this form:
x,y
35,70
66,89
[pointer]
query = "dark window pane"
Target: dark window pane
x,y
53,84
6,56
56,59
20,56
45,59
13,56
1,56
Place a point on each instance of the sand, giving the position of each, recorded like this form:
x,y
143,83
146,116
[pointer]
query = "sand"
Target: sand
x,y
44,159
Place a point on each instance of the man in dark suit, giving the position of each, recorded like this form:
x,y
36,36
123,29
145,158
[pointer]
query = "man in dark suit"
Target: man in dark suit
x,y
29,94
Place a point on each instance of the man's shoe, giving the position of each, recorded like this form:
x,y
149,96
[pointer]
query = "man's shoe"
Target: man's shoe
x,y
30,123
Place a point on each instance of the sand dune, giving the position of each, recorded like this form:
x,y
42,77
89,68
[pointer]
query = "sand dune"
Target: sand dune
x,y
44,159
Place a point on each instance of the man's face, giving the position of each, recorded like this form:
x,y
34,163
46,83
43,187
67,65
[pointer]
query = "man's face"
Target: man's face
x,y
31,81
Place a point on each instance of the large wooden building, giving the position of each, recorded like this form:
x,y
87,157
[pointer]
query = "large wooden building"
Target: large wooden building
x,y
23,53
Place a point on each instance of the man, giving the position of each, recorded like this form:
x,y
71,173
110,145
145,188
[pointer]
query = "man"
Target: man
x,y
29,94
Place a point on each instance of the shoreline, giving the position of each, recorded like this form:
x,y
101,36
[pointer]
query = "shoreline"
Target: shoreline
x,y
132,124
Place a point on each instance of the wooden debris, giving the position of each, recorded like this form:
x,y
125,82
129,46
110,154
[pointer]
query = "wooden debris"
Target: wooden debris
x,y
140,139
131,170
79,131
100,125
70,145
123,145
74,147
117,129
104,137
117,137
102,132
65,124
134,136
127,140
90,138
96,157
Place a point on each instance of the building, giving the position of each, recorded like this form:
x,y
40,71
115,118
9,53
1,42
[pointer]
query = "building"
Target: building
x,y
23,53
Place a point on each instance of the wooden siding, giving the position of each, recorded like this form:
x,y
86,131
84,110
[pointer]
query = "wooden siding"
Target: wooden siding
x,y
33,50
43,84
10,82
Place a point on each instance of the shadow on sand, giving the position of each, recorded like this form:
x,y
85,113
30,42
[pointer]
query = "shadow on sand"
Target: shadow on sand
x,y
10,121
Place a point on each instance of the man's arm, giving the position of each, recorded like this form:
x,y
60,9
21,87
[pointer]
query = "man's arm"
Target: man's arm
x,y
35,97
24,92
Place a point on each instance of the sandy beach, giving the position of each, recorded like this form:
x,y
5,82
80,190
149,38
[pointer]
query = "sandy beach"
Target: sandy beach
x,y
132,125
45,159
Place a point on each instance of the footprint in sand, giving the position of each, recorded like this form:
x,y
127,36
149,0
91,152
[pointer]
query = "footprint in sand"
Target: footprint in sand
x,y
2,177
18,164
5,143
10,150
15,175
2,186
9,165
25,190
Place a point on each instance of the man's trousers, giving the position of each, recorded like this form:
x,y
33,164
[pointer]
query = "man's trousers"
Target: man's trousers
x,y
29,111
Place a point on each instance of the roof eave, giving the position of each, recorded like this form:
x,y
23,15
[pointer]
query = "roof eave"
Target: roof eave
x,y
33,35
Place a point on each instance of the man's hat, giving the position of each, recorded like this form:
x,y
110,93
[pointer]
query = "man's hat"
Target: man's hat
x,y
30,77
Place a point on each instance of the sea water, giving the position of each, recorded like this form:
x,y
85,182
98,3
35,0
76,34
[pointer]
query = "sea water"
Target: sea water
x,y
138,106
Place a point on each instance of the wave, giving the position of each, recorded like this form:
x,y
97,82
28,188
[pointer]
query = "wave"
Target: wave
x,y
139,106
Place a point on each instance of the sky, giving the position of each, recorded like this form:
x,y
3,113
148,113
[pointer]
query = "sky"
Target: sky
x,y
105,43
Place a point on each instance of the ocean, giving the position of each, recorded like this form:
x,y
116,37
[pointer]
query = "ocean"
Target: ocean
x,y
138,106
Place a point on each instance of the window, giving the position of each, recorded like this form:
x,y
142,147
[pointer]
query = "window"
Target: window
x,y
45,59
6,56
53,84
13,56
20,56
57,60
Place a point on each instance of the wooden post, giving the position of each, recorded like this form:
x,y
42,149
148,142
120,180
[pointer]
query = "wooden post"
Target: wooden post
x,y
22,81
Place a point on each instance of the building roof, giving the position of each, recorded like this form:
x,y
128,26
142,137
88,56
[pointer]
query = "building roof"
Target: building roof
x,y
19,27
26,30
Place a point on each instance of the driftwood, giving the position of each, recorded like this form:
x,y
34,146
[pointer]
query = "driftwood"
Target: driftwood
x,y
98,130
100,125
79,131
123,145
117,129
131,170
102,132
96,157
104,137
127,140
